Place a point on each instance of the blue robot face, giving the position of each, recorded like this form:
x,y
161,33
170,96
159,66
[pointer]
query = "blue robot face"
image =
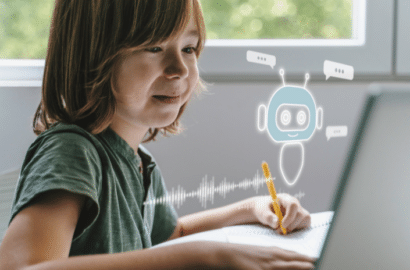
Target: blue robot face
x,y
291,114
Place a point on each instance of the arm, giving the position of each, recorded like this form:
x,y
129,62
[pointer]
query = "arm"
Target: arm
x,y
252,210
40,236
229,215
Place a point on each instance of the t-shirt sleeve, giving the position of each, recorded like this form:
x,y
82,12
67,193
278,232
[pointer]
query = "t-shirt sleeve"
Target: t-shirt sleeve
x,y
165,218
66,161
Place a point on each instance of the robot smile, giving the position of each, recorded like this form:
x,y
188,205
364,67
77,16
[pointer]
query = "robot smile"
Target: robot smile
x,y
293,136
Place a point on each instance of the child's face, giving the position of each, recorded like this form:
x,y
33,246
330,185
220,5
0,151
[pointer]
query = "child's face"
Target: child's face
x,y
146,79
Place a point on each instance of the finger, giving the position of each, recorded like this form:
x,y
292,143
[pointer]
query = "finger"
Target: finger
x,y
301,221
306,220
295,222
272,221
279,231
291,212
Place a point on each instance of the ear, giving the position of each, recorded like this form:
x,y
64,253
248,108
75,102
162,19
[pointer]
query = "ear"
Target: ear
x,y
319,118
262,114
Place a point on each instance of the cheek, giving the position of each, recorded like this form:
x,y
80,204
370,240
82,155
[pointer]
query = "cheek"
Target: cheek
x,y
194,76
135,72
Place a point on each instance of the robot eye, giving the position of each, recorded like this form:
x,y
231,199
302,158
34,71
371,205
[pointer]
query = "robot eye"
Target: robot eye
x,y
301,117
285,117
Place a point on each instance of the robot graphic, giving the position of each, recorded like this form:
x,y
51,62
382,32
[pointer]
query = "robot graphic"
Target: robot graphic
x,y
291,117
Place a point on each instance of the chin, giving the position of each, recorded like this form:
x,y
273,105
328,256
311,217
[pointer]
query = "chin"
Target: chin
x,y
165,123
165,119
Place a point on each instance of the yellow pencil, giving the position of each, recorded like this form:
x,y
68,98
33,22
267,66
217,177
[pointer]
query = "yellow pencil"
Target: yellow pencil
x,y
272,191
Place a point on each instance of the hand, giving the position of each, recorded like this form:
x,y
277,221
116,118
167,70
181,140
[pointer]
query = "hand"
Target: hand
x,y
236,256
295,217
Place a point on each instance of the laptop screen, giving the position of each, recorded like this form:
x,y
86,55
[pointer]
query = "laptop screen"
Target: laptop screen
x,y
371,226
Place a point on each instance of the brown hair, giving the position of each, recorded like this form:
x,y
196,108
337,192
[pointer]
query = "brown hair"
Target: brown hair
x,y
86,40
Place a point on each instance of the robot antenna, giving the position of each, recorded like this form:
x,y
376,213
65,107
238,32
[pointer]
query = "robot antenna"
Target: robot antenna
x,y
282,74
306,79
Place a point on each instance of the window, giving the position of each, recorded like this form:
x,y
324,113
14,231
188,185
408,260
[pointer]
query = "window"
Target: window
x,y
248,22
369,49
26,23
24,28
300,33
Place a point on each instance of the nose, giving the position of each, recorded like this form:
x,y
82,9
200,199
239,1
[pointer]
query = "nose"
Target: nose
x,y
175,67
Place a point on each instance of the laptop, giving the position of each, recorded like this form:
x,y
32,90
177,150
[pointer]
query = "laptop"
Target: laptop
x,y
371,223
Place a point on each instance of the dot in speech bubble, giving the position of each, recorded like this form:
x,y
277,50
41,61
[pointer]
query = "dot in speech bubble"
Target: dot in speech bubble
x,y
336,131
261,58
338,70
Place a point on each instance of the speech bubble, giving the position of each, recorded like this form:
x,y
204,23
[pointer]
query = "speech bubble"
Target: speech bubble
x,y
336,131
261,58
338,70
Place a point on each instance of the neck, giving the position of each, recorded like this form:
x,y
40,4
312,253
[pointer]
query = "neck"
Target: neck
x,y
132,134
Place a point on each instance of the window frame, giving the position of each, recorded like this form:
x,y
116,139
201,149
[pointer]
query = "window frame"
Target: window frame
x,y
374,58
218,61
358,35
403,38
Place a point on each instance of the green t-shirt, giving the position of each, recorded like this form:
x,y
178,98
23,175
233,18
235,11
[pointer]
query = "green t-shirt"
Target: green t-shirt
x,y
106,170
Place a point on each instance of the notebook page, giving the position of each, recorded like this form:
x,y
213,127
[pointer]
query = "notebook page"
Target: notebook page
x,y
308,241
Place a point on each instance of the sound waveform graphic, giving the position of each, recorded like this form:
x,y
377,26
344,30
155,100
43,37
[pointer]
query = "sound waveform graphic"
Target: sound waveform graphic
x,y
206,191
298,195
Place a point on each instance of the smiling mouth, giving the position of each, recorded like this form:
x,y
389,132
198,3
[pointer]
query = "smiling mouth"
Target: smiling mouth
x,y
292,136
167,99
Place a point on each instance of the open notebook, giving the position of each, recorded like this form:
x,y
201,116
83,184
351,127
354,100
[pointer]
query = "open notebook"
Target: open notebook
x,y
308,241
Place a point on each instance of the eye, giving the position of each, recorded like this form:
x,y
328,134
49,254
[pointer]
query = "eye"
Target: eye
x,y
190,50
154,49
285,117
301,117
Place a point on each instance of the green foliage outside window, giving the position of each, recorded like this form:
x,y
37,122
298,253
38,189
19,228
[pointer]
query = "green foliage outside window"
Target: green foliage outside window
x,y
25,24
24,28
278,19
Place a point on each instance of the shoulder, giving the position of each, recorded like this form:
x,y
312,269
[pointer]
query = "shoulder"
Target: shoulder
x,y
64,138
63,151
63,157
60,148
68,133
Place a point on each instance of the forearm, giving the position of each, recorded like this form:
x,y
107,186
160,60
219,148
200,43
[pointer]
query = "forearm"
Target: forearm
x,y
233,214
182,256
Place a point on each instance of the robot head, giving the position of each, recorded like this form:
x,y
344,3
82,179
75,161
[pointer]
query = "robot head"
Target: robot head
x,y
291,114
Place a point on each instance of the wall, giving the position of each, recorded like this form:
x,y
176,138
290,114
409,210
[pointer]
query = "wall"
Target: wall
x,y
221,141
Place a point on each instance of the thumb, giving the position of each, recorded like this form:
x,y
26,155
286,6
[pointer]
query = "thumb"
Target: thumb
x,y
273,221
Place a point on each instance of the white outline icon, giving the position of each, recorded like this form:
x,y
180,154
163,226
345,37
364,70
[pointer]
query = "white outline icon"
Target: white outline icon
x,y
285,101
261,58
282,171
287,120
338,70
335,131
